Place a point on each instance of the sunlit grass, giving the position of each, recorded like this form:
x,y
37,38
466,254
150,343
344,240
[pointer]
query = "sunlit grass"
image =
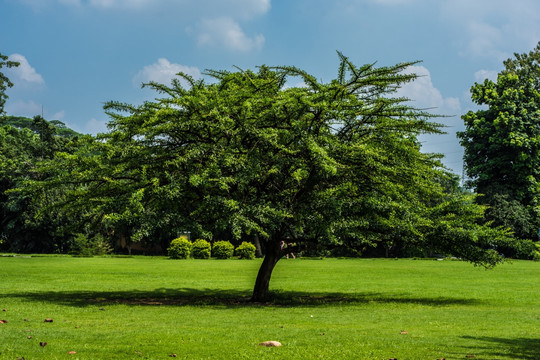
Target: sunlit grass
x,y
150,308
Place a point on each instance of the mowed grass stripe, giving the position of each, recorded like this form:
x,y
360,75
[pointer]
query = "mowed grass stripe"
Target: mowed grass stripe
x,y
150,308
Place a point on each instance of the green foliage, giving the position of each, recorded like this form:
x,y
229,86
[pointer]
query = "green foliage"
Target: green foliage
x,y
84,246
26,222
179,248
201,249
222,250
512,214
520,249
329,164
20,122
536,252
5,83
502,145
245,250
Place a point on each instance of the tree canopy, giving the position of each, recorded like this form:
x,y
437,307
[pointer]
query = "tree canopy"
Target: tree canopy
x,y
324,164
502,144
24,144
5,83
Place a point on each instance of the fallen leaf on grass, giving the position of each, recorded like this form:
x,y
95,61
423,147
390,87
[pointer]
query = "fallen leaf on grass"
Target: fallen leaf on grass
x,y
20,358
43,343
48,320
173,355
403,332
28,337
72,352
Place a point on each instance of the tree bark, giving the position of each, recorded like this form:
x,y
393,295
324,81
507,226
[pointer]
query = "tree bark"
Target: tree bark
x,y
262,283
258,250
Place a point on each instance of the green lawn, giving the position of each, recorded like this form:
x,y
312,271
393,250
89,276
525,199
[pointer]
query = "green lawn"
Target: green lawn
x,y
150,308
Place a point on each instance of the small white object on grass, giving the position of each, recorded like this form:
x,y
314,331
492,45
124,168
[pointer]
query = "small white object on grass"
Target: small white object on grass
x,y
270,343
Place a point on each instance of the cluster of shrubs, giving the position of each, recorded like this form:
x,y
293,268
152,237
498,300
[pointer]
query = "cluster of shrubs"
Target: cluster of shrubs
x,y
182,248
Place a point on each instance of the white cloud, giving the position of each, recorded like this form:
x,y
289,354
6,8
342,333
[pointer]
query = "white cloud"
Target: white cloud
x,y
92,126
36,5
30,109
481,75
425,95
227,33
485,40
121,4
23,108
240,7
392,2
58,115
493,26
244,9
217,19
163,72
70,2
24,72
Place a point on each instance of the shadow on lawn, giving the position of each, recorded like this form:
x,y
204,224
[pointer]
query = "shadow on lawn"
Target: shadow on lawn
x,y
231,298
518,348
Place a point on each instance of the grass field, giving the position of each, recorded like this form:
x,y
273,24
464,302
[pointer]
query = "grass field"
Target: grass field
x,y
152,308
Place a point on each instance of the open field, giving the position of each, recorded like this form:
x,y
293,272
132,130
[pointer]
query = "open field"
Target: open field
x,y
151,308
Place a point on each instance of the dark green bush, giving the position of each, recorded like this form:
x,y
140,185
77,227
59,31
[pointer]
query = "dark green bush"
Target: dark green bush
x,y
246,250
201,249
180,248
536,252
222,250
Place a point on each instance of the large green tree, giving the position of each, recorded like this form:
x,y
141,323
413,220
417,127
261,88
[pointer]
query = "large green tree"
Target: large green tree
x,y
5,83
323,164
502,144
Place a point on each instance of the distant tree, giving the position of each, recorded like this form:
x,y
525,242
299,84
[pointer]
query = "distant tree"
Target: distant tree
x,y
22,122
18,151
5,83
325,164
24,226
502,144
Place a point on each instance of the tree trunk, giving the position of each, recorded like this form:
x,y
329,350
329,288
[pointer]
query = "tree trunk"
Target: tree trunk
x,y
258,250
273,254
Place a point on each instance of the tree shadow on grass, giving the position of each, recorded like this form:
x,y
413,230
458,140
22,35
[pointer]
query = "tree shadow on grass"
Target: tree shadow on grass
x,y
229,298
508,348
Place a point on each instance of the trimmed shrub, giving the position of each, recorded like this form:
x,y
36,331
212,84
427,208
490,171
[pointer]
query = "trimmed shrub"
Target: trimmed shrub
x,y
223,250
246,250
201,249
536,252
179,249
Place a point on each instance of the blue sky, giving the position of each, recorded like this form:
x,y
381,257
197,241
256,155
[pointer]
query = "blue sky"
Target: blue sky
x,y
77,54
